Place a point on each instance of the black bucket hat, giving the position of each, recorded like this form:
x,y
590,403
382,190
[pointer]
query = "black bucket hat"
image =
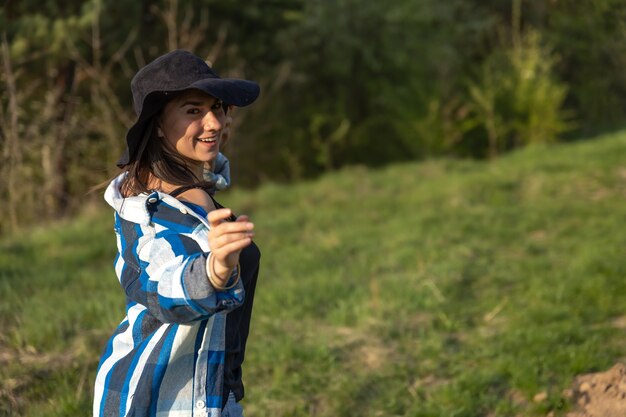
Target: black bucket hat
x,y
173,72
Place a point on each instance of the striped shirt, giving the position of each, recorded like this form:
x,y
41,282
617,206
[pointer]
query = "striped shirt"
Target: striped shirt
x,y
166,357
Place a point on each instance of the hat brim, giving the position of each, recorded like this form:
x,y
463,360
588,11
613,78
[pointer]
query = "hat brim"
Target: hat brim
x,y
231,91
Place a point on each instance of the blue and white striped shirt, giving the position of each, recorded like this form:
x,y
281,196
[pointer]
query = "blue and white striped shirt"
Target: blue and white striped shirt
x,y
166,358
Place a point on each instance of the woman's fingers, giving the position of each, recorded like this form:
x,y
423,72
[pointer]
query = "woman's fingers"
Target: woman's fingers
x,y
220,242
218,216
232,248
232,227
228,238
223,240
217,219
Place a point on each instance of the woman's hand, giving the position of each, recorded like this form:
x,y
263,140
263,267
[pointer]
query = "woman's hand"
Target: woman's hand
x,y
226,240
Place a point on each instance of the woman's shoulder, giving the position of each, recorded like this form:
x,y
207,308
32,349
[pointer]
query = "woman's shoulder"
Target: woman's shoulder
x,y
199,197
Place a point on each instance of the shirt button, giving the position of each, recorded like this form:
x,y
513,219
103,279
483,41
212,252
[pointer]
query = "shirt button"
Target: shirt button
x,y
183,210
200,404
152,200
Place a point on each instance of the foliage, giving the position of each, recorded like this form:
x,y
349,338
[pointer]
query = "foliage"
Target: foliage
x,y
448,287
590,37
343,82
516,100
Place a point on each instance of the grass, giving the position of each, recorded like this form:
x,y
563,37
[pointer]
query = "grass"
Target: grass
x,y
444,288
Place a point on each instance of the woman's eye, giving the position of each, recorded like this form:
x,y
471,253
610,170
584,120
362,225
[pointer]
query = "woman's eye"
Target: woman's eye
x,y
193,111
217,105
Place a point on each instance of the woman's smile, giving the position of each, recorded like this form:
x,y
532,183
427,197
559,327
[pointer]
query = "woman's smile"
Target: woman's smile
x,y
210,143
208,140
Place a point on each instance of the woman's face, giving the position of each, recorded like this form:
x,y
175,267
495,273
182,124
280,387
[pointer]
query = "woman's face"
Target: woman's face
x,y
191,124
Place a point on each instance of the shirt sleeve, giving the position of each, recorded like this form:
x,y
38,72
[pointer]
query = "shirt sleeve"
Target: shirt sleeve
x,y
172,281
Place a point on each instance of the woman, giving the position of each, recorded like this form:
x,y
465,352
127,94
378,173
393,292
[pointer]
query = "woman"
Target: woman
x,y
184,262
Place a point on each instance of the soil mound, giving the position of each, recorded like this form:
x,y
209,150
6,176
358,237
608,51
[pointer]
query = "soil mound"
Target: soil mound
x,y
601,394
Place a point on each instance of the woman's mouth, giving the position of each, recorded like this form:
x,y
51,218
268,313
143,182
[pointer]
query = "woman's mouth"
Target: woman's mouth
x,y
208,140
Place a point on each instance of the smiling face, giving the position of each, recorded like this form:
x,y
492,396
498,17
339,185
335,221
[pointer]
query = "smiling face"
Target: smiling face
x,y
191,124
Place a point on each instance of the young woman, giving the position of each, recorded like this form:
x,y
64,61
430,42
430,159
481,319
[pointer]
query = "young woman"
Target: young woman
x,y
184,262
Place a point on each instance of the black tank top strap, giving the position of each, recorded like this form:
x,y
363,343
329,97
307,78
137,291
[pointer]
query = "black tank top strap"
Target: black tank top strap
x,y
178,191
217,205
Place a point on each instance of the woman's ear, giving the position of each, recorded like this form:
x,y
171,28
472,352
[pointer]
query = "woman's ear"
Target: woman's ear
x,y
226,133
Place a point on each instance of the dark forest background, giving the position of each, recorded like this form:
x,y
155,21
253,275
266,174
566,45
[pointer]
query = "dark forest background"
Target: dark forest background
x,y
343,82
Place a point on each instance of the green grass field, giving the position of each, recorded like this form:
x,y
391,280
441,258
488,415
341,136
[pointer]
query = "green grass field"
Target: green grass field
x,y
444,288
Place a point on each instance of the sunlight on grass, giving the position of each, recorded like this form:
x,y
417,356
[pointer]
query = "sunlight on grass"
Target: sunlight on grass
x,y
453,288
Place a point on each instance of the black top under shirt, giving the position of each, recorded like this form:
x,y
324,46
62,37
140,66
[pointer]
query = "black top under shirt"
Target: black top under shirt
x,y
238,320
238,324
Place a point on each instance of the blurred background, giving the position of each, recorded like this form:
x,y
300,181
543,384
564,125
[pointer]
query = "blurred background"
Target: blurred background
x,y
343,82
438,189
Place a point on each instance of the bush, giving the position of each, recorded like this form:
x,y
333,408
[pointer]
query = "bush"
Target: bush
x,y
516,99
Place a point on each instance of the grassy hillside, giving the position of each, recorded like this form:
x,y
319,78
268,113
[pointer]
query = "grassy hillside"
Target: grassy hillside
x,y
446,288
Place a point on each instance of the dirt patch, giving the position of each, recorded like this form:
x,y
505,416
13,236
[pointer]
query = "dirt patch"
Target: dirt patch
x,y
364,350
601,394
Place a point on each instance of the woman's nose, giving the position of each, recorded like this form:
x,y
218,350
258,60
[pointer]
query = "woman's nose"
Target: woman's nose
x,y
211,122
